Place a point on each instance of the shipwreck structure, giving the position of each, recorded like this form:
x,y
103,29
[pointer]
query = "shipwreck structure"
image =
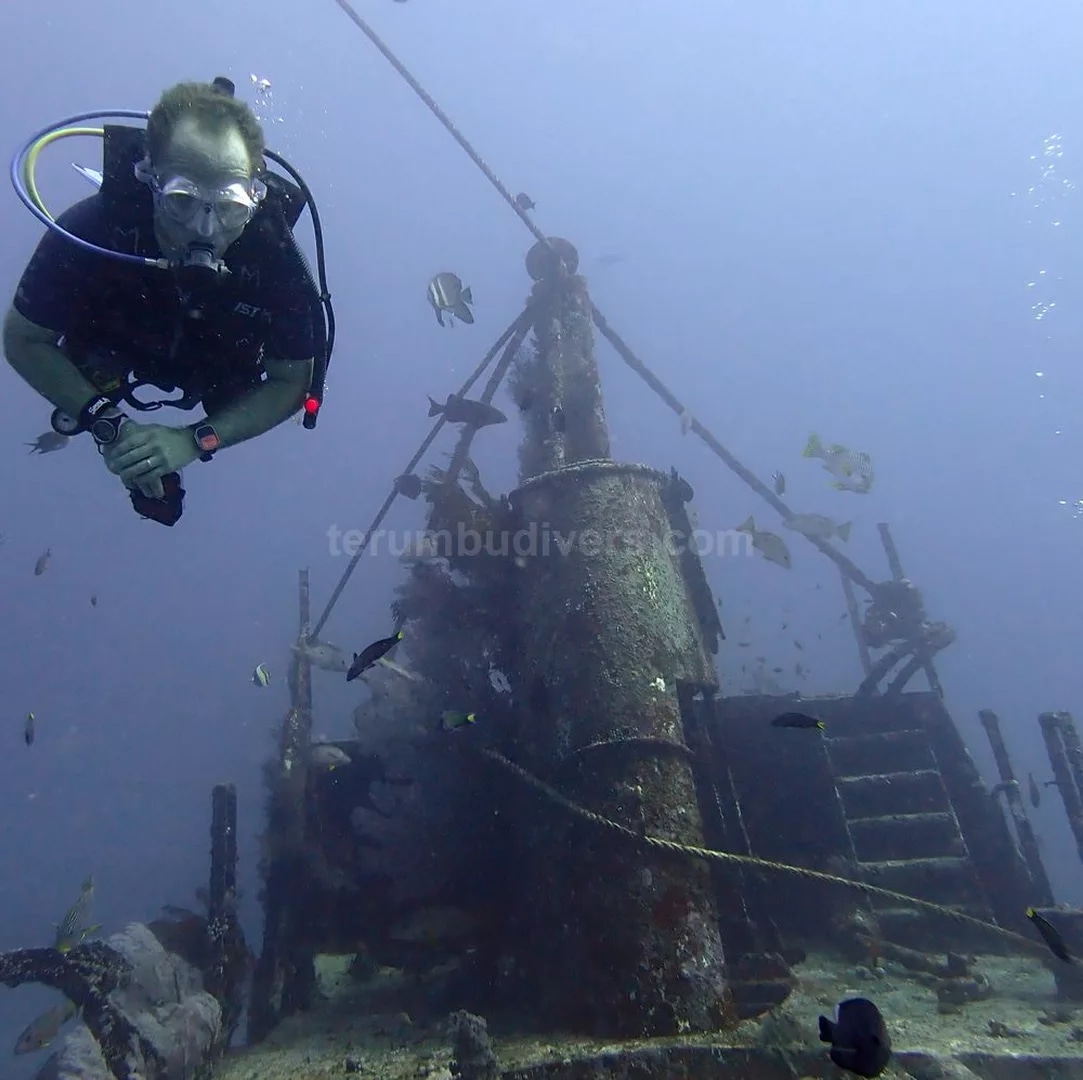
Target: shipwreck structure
x,y
653,909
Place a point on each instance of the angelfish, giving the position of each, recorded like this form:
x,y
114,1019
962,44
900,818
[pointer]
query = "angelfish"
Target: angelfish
x,y
859,1040
447,295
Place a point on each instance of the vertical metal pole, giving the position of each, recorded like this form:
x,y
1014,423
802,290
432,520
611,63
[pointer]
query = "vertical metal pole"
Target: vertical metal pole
x,y
1028,843
1052,732
855,621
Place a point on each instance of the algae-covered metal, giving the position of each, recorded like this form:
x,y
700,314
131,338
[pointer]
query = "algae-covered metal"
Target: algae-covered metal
x,y
607,631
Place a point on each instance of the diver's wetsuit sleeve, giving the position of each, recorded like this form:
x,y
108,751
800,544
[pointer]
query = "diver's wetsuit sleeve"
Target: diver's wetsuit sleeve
x,y
295,307
57,280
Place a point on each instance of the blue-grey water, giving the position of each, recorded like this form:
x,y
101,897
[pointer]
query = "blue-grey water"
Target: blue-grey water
x,y
851,218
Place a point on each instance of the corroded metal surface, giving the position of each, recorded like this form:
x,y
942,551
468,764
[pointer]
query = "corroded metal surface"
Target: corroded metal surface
x,y
607,630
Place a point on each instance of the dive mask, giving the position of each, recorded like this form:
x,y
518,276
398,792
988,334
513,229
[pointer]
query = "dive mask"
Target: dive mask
x,y
203,211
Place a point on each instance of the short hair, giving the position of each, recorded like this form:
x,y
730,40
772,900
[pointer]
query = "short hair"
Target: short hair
x,y
212,109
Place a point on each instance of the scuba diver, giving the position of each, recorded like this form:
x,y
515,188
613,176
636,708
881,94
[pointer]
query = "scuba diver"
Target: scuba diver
x,y
181,273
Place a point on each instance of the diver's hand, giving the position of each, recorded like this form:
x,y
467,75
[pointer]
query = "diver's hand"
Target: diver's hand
x,y
144,453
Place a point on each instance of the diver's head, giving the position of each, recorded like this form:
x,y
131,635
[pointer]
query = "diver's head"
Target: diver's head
x,y
204,154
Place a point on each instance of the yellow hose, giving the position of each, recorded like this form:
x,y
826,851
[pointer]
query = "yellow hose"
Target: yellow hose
x,y
32,160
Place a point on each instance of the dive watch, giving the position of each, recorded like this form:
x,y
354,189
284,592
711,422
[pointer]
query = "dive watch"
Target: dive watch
x,y
102,419
206,440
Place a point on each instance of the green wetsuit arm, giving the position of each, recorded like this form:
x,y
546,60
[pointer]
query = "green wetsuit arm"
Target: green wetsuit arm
x,y
276,399
33,353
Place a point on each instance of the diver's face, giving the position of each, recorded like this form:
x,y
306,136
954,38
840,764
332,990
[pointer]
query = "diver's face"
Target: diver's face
x,y
212,161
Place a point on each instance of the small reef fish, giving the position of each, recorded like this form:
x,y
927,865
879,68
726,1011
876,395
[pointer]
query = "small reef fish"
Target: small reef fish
x,y
819,526
28,729
1034,791
771,547
368,656
408,485
447,296
326,756
460,410
524,201
47,443
453,720
852,469
260,675
1050,935
325,656
798,720
43,562
94,600
41,1031
71,931
859,1040
778,481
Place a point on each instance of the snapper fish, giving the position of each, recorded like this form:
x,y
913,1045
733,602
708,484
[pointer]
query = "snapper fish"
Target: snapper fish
x,y
771,547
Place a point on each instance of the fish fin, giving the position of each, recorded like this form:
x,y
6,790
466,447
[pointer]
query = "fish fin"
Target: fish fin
x,y
435,408
461,311
843,531
814,448
827,1030
749,526
439,315
467,295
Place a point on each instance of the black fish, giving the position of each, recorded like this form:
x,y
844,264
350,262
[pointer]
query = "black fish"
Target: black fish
x,y
48,443
1035,794
524,201
460,410
408,485
28,729
1050,935
368,656
559,423
797,720
859,1039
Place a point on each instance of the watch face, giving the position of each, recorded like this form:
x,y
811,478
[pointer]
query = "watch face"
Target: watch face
x,y
104,430
206,438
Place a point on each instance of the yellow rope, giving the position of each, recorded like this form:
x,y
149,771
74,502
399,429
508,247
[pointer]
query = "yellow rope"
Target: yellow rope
x,y
710,855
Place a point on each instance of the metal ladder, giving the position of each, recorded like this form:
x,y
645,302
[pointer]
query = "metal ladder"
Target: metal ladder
x,y
903,830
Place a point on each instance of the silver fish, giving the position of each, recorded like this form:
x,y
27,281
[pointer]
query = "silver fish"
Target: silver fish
x,y
325,656
327,756
447,295
818,525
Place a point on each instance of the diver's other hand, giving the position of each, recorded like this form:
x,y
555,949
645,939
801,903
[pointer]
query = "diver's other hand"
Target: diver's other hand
x,y
144,453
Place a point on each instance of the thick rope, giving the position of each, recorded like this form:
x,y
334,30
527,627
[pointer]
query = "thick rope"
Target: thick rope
x,y
711,855
442,116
